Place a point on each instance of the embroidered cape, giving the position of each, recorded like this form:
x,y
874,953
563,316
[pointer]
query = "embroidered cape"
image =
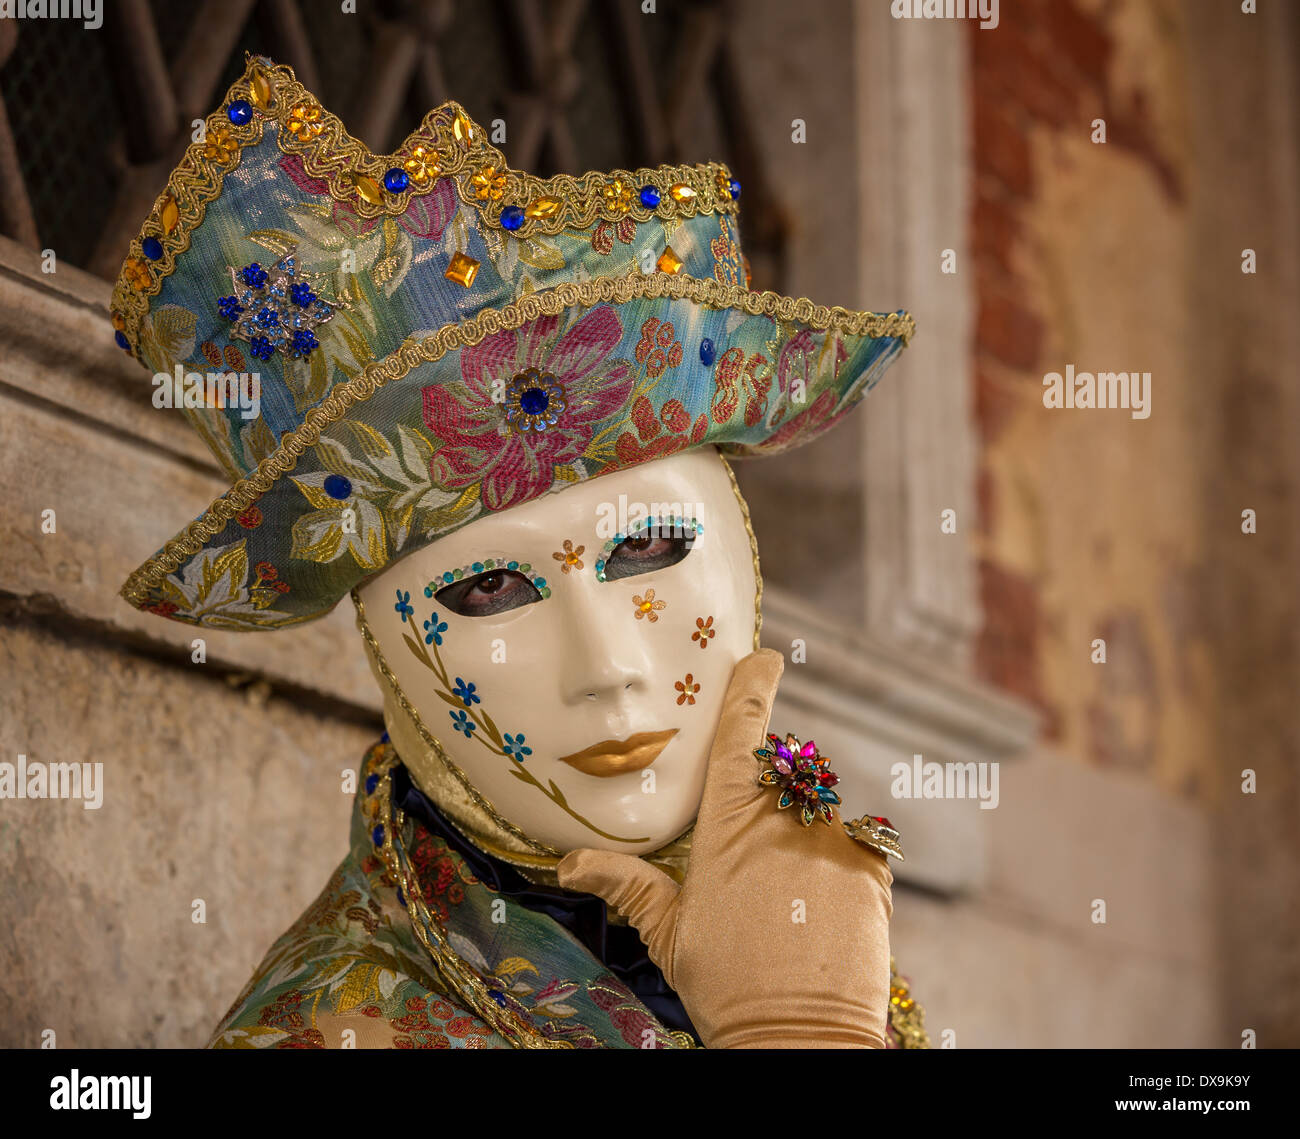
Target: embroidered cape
x,y
353,972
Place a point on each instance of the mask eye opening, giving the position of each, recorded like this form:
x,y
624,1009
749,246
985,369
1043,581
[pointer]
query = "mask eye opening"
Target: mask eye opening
x,y
632,554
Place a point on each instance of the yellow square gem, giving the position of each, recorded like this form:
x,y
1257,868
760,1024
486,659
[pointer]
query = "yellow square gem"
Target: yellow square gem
x,y
669,262
462,270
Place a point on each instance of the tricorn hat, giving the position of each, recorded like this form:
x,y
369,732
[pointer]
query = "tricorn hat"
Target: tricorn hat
x,y
380,348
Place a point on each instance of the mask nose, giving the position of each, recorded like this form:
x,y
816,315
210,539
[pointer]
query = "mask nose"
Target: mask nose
x,y
602,658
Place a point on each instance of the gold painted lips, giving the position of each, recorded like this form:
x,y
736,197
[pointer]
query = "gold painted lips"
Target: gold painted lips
x,y
614,757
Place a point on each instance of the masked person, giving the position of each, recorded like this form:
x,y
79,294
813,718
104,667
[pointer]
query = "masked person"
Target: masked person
x,y
494,409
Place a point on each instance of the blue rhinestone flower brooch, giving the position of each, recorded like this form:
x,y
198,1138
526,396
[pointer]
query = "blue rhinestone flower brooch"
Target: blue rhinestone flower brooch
x,y
275,310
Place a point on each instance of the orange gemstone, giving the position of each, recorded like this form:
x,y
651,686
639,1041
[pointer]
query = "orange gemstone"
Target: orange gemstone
x,y
137,272
462,269
169,214
422,165
462,129
681,192
304,121
260,91
543,208
368,189
618,196
489,184
119,321
669,262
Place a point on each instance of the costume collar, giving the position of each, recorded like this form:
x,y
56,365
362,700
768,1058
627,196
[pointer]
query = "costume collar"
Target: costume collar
x,y
585,916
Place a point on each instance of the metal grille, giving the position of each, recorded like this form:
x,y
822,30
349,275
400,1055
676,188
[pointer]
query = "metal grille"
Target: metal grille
x,y
92,121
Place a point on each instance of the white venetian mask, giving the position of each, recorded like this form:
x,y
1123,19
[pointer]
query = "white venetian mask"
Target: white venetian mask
x,y
582,710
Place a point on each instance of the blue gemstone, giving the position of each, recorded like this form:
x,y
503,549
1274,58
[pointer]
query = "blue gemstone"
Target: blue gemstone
x,y
650,197
498,996
512,217
534,401
401,898
477,567
707,352
338,486
378,835
512,565
733,184
122,341
396,180
239,112
449,576
540,582
372,781
152,248
384,738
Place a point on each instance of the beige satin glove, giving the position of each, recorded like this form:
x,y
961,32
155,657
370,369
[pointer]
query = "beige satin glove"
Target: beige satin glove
x,y
749,974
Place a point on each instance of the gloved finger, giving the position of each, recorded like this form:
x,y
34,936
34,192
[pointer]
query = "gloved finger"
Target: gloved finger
x,y
731,786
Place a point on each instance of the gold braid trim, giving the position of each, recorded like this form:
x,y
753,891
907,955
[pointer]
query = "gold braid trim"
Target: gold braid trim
x,y
412,353
447,144
906,1016
462,979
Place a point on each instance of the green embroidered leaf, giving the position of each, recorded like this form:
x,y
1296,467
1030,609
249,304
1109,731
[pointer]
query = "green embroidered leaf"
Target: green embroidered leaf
x,y
318,536
230,566
258,440
317,497
540,254
278,241
172,330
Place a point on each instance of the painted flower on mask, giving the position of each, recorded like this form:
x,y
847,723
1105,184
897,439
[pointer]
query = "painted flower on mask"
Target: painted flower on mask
x,y
403,606
686,689
515,749
703,631
466,693
462,723
516,466
433,630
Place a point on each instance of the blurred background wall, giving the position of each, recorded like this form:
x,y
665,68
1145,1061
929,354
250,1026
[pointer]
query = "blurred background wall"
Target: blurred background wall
x,y
931,165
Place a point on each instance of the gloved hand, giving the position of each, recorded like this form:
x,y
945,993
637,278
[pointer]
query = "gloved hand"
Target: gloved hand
x,y
748,974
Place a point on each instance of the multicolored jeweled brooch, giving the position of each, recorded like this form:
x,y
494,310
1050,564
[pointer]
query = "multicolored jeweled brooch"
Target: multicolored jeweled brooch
x,y
805,778
275,310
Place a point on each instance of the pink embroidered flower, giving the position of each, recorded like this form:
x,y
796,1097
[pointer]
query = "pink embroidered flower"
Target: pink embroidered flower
x,y
513,465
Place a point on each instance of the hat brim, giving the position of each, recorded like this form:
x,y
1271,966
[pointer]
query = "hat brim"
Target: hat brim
x,y
444,429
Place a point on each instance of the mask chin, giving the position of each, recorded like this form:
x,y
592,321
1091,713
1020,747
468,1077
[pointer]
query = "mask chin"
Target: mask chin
x,y
580,667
